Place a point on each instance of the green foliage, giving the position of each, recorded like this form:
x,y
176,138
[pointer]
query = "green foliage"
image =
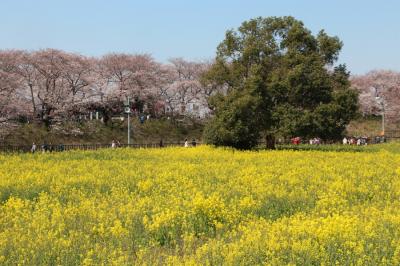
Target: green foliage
x,y
240,119
287,66
234,126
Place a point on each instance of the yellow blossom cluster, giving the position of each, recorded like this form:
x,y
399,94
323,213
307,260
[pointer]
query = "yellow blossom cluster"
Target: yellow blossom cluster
x,y
200,206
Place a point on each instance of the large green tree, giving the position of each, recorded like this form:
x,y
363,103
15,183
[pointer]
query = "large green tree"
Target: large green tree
x,y
279,79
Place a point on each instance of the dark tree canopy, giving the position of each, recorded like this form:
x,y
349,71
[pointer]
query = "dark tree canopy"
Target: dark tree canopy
x,y
279,79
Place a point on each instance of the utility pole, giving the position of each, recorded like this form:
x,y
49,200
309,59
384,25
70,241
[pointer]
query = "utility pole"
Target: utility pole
x,y
128,111
381,101
383,118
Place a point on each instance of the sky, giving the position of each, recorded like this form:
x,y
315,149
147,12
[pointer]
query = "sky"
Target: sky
x,y
192,29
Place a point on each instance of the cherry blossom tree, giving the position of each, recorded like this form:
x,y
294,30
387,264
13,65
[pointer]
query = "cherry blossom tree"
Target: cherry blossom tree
x,y
187,86
130,75
164,92
24,68
52,90
77,75
12,99
383,84
6,95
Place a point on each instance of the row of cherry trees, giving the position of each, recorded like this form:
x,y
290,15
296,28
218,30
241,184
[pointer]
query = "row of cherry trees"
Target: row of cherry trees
x,y
49,84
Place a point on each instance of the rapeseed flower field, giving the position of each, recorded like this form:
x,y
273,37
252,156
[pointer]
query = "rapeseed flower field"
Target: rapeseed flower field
x,y
200,205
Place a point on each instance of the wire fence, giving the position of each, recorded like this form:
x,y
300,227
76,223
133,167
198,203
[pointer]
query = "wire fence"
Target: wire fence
x,y
9,148
12,148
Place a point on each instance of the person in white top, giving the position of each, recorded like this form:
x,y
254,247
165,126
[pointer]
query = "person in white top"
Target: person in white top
x,y
344,141
186,143
33,149
113,144
358,142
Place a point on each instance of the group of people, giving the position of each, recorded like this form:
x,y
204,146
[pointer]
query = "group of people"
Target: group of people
x,y
380,139
355,141
46,147
143,118
312,141
186,145
115,144
346,141
315,141
295,140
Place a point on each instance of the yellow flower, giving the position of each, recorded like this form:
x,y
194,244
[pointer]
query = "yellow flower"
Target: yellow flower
x,y
200,206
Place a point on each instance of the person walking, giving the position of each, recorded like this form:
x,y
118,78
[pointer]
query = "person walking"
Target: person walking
x,y
194,143
50,147
44,147
33,149
161,144
113,144
186,143
61,147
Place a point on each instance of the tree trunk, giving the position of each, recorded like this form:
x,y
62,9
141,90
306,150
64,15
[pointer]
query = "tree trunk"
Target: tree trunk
x,y
33,101
270,141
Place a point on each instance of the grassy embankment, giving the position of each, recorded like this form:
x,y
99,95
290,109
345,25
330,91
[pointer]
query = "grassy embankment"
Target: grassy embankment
x,y
149,132
96,132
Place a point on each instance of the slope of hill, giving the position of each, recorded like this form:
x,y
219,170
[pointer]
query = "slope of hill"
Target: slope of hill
x,y
150,131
